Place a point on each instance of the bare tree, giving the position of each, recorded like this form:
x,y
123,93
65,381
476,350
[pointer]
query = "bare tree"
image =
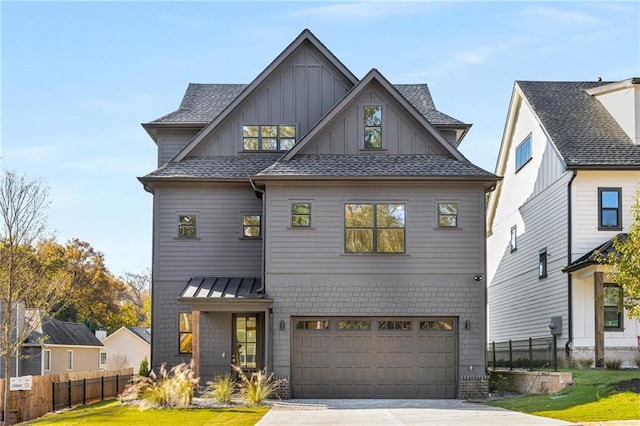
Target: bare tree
x,y
138,293
29,289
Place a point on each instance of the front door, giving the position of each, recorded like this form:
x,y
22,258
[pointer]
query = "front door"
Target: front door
x,y
248,341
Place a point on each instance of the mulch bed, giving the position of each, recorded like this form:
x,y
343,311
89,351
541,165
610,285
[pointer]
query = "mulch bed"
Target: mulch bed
x,y
632,385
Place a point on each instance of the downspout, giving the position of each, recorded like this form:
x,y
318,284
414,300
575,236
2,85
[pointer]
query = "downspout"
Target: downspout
x,y
486,290
262,193
569,275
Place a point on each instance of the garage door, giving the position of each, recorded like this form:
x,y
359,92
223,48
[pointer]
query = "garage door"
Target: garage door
x,y
374,358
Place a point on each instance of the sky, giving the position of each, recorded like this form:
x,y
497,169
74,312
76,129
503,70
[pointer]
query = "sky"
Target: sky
x,y
78,78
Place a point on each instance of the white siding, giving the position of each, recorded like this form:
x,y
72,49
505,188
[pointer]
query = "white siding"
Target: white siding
x,y
624,105
125,343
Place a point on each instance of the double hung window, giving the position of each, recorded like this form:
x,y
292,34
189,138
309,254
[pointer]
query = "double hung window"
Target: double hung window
x,y
373,127
612,307
374,228
609,209
185,326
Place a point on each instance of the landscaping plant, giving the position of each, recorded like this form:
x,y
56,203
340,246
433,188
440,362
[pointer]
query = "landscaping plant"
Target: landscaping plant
x,y
144,368
171,388
613,364
258,387
222,388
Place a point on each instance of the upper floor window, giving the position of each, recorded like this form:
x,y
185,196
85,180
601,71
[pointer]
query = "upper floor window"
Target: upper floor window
x,y
514,238
187,225
609,209
373,127
523,153
268,137
542,263
612,307
185,332
374,228
300,215
251,226
447,215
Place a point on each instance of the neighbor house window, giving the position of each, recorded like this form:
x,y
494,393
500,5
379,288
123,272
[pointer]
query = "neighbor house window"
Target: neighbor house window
x,y
514,238
103,358
300,215
251,226
69,360
47,360
185,332
372,127
374,228
542,263
187,226
612,307
447,215
609,209
268,138
523,153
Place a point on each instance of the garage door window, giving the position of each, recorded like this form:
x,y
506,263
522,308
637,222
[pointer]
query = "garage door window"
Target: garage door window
x,y
312,325
394,325
354,325
436,325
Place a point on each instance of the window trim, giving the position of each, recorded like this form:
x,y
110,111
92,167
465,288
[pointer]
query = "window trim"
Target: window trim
x,y
105,358
543,264
620,313
278,138
46,360
513,240
438,215
182,332
602,227
527,141
69,359
245,237
365,127
374,228
293,214
196,217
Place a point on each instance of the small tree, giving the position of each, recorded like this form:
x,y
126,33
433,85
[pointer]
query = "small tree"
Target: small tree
x,y
144,368
29,288
624,264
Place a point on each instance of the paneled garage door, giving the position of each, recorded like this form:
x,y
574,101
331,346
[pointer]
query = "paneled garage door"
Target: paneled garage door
x,y
374,358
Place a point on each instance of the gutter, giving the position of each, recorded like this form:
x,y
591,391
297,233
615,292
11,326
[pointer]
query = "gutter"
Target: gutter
x,y
569,275
263,222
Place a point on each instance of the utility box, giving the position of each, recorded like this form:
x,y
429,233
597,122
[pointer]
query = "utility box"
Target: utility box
x,y
555,327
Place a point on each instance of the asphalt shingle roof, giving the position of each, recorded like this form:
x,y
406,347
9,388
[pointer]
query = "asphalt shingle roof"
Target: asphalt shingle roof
x,y
239,167
591,257
375,165
64,333
141,332
579,125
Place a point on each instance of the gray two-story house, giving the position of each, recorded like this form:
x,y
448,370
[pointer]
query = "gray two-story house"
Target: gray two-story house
x,y
323,227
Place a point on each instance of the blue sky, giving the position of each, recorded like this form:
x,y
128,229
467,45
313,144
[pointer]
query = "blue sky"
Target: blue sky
x,y
78,78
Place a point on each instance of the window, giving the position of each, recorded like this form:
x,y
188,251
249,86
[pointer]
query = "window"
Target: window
x,y
542,263
354,325
374,228
187,226
312,325
268,138
394,325
246,341
372,127
609,209
103,358
47,360
251,226
185,332
523,153
69,360
446,325
300,215
514,238
612,307
447,215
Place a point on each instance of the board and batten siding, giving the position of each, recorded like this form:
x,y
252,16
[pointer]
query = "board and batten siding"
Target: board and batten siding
x,y
171,141
218,249
428,248
299,92
401,133
586,235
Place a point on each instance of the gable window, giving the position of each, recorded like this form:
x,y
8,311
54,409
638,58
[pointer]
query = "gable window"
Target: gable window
x,y
268,137
514,238
300,215
251,226
69,360
374,228
103,358
47,360
447,215
523,153
612,307
187,226
542,263
373,127
609,209
185,328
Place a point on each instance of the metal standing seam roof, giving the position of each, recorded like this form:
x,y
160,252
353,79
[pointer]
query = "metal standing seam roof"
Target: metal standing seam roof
x,y
591,257
584,132
58,332
206,288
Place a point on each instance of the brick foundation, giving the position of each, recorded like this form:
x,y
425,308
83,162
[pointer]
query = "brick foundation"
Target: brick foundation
x,y
283,390
473,387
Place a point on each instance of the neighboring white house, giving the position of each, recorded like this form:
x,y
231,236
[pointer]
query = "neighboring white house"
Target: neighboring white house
x,y
127,345
570,161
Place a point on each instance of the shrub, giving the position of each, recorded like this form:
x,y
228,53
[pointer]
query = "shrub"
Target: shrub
x,y
222,388
584,363
258,387
173,388
499,383
144,368
613,364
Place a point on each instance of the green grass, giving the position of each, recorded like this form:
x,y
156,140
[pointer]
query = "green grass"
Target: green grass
x,y
591,397
114,414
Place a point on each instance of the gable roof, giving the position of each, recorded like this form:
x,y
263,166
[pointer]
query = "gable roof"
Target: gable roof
x,y
57,332
580,127
141,332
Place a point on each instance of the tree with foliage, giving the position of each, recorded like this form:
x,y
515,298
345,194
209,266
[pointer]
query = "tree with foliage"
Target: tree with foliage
x,y
137,295
29,288
624,264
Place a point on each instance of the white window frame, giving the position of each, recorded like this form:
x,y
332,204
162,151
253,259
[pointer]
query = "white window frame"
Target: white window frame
x,y
69,359
513,240
520,151
46,360
105,358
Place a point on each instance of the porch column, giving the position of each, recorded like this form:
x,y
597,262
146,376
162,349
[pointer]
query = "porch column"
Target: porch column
x,y
195,342
267,338
598,297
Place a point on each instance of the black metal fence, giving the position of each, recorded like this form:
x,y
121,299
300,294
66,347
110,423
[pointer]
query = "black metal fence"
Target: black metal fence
x,y
528,354
78,392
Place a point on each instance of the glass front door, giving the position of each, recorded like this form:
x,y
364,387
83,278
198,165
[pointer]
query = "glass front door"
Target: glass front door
x,y
248,347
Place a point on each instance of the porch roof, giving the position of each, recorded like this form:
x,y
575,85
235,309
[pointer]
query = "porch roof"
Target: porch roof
x,y
591,257
212,289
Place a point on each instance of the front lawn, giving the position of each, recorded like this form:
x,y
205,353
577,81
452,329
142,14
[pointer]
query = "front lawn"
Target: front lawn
x,y
114,414
593,397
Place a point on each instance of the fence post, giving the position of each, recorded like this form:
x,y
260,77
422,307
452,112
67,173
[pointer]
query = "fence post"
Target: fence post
x,y
530,353
510,356
84,391
69,393
494,353
101,388
53,396
117,383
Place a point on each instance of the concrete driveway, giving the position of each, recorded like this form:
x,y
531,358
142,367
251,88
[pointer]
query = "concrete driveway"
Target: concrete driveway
x,y
379,412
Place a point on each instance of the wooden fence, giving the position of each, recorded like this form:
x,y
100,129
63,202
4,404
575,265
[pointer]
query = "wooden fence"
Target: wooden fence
x,y
34,403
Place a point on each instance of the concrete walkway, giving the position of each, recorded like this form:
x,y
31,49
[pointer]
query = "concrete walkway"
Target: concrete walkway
x,y
380,412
